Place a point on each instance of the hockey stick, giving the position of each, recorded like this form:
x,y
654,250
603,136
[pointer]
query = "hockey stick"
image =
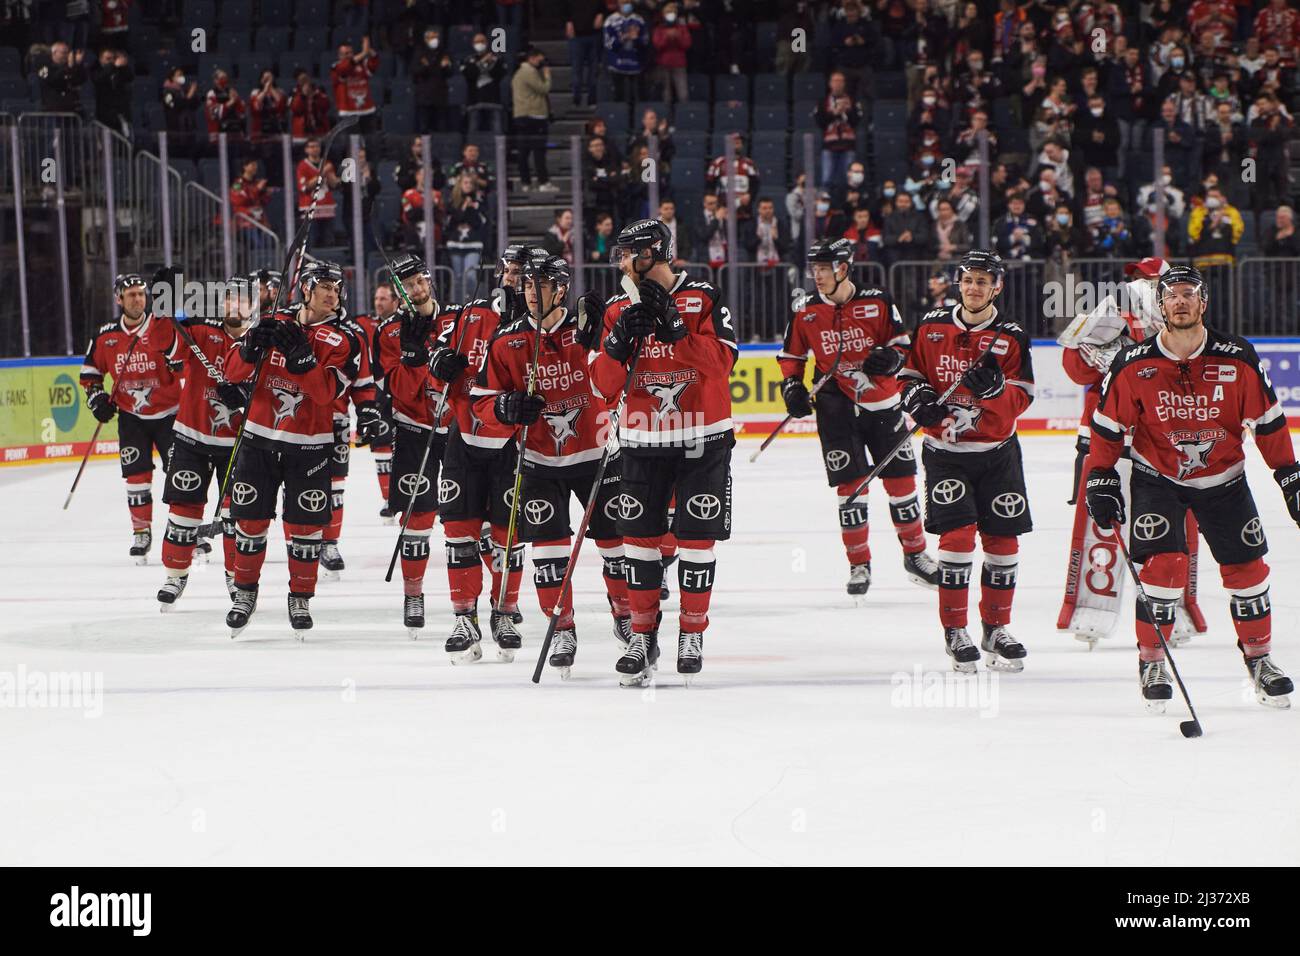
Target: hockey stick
x,y
879,466
130,347
1190,728
817,387
297,247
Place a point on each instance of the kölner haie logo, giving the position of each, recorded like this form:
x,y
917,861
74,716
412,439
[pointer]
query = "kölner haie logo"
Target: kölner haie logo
x,y
78,909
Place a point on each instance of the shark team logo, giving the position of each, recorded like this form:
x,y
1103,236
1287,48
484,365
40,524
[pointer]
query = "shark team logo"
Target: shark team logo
x,y
139,395
562,425
1194,449
286,405
221,415
669,397
961,421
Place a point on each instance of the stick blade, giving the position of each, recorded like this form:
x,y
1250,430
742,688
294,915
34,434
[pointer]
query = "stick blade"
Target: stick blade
x,y
1191,728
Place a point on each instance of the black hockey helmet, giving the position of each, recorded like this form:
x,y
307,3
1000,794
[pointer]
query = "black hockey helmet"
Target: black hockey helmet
x,y
1176,275
268,278
833,251
548,268
984,261
644,234
408,265
319,270
129,280
516,252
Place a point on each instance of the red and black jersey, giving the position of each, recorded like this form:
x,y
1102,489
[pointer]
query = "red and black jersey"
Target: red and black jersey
x,y
1189,417
867,319
477,327
681,393
570,435
414,391
294,413
943,347
203,419
362,388
143,384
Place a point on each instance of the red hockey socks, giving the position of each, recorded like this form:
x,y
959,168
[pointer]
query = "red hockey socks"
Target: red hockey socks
x,y
998,577
181,536
1252,614
853,524
550,561
515,568
228,535
956,555
304,556
905,511
1163,577
644,573
464,573
250,550
612,557
695,571
415,551
139,500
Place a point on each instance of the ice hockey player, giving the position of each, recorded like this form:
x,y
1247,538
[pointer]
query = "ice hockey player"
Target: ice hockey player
x,y
565,442
135,351
1094,585
1190,393
204,433
974,476
361,395
675,436
477,467
856,335
268,286
384,302
302,364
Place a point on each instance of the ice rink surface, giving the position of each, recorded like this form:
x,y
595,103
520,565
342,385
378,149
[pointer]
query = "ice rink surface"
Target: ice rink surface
x,y
819,732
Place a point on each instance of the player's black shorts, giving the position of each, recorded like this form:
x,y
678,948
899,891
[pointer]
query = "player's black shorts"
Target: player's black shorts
x,y
260,473
986,488
192,469
341,453
544,513
1226,514
700,477
138,437
476,484
408,449
848,433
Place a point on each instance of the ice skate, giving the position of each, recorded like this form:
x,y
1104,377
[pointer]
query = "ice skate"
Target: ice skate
x,y
1272,686
1008,653
202,552
299,614
245,604
506,635
690,655
922,569
463,644
387,515
1157,688
623,631
640,662
331,562
859,582
965,655
413,615
141,542
171,590
230,585
564,647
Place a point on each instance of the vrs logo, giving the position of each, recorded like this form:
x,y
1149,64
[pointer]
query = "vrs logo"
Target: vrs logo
x,y
75,909
64,406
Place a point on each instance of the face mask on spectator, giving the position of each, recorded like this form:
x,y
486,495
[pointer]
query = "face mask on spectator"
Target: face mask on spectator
x,y
927,160
1211,203
823,208
670,18
855,179
1038,71
889,193
626,8
180,80
1177,62
928,100
480,47
432,44
913,187
1063,218
1097,111
944,184
1167,179
976,65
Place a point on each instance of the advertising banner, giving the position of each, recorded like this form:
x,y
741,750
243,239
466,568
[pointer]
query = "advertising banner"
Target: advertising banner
x,y
43,412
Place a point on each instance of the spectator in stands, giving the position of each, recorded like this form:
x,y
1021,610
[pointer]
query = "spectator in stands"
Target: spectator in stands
x,y
1283,242
558,240
1129,100
1114,237
652,124
763,237
852,191
1063,237
1096,137
1090,203
224,107
584,30
112,77
965,202
938,292
853,44
1175,202
180,103
113,20
1214,228
249,195
597,127
430,68
794,208
471,162
371,186
839,117
627,46
973,32
1017,235
999,180
672,40
414,222
710,235
309,109
1181,148
739,193
413,162
907,231
868,242
466,233
310,167
351,75
681,238
510,14
636,185
530,89
1278,25
931,111
828,220
1191,106
1221,91
483,71
602,178
268,113
1269,131
966,147
601,239
1046,195
793,57
952,237
1225,142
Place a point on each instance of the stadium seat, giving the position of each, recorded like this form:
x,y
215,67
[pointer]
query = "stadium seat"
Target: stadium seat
x,y
446,146
697,87
808,86
398,118
765,46
277,12
688,176
690,143
457,90
659,106
311,11
201,13
271,39
804,115
691,117
889,115
310,38
728,87
773,175
235,14
231,41
614,115
460,42
10,62
770,88
768,150
731,116
891,84
771,117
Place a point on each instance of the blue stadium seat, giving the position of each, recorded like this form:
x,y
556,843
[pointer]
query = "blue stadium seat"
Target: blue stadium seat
x,y
399,118
235,14
1001,118
277,12
231,41
10,62
659,106
446,146
889,115
891,84
731,116
771,117
200,13
614,115
271,39
210,174
690,143
688,176
808,86
770,88
804,115
768,149
13,88
311,11
774,176
691,116
310,38
765,45
460,42
457,90
729,87
289,61
605,88
345,34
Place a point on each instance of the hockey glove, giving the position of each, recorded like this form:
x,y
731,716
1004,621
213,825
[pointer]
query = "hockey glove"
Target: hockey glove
x,y
634,322
671,328
921,401
1105,497
518,408
655,298
795,393
447,363
414,333
298,357
100,405
591,319
231,395
286,334
370,424
1288,479
985,379
883,360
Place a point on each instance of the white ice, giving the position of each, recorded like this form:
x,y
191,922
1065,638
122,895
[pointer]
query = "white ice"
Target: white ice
x,y
360,746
